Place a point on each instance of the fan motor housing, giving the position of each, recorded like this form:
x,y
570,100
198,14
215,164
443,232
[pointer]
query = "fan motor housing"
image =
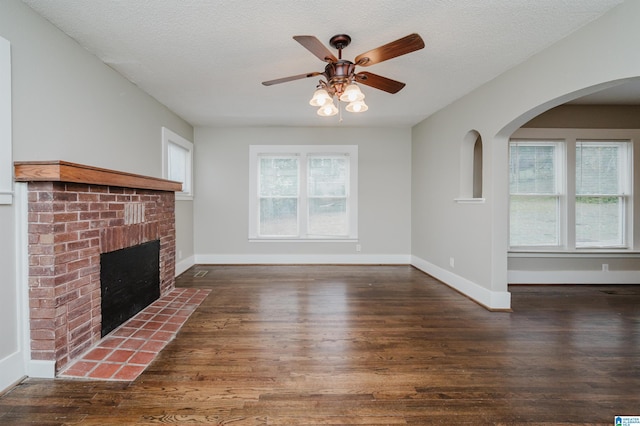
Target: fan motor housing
x,y
339,75
340,71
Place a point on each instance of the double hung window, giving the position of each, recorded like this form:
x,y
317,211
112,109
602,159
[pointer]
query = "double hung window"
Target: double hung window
x,y
570,194
602,191
535,181
177,162
303,192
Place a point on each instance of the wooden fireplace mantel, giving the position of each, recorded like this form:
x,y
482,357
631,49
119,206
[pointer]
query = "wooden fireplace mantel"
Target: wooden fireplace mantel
x,y
63,171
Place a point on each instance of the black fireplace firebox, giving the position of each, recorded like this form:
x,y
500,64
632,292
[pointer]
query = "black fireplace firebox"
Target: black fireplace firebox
x,y
129,282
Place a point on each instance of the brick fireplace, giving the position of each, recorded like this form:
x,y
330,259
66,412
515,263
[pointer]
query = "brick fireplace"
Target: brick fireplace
x,y
75,214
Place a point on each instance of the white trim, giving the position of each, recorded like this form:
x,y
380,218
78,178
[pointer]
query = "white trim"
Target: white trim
x,y
169,137
21,215
41,369
469,200
559,192
488,298
30,367
631,254
302,259
301,240
11,367
573,277
6,161
21,209
184,264
6,197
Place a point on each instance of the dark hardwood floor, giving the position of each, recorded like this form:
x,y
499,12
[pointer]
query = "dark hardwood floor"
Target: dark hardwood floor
x,y
369,345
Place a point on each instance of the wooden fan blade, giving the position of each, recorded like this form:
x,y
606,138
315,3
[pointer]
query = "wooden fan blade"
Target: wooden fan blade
x,y
315,46
291,78
379,82
400,47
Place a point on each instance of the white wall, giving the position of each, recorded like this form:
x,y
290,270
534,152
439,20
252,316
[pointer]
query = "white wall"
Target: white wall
x,y
67,105
475,235
222,183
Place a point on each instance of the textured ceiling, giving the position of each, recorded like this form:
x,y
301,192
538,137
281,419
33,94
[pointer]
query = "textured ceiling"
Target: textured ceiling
x,y
206,59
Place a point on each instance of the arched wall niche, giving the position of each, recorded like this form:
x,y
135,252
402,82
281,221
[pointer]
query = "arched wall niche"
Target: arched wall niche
x,y
471,164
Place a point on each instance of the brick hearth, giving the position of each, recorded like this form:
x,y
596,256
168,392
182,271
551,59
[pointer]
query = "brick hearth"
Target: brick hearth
x,y
69,225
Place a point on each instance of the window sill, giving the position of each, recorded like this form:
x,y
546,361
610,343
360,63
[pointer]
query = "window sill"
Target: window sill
x,y
574,253
303,240
469,200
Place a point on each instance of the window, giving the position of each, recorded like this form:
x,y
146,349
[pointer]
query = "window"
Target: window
x,y
535,186
303,192
568,194
6,162
602,181
177,162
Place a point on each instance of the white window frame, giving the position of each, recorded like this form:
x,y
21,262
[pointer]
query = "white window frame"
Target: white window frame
x,y
303,151
171,138
625,177
6,156
560,187
570,137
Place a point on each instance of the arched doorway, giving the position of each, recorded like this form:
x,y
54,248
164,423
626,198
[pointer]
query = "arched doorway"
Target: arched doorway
x,y
608,113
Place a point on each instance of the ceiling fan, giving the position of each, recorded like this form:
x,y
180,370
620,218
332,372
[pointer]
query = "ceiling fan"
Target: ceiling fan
x,y
340,74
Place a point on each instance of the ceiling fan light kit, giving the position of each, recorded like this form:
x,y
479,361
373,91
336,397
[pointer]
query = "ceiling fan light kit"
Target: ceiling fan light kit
x,y
340,76
357,106
352,93
328,110
320,97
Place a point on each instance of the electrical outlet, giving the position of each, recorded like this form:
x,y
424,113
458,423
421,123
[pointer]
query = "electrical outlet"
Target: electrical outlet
x,y
605,267
179,254
451,262
358,248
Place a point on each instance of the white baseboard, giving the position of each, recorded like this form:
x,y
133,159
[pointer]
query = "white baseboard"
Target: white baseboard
x,y
573,277
41,369
184,264
494,300
497,300
11,369
302,259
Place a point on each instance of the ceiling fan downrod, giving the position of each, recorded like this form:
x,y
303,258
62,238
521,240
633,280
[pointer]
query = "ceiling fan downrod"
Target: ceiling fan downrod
x,y
340,41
